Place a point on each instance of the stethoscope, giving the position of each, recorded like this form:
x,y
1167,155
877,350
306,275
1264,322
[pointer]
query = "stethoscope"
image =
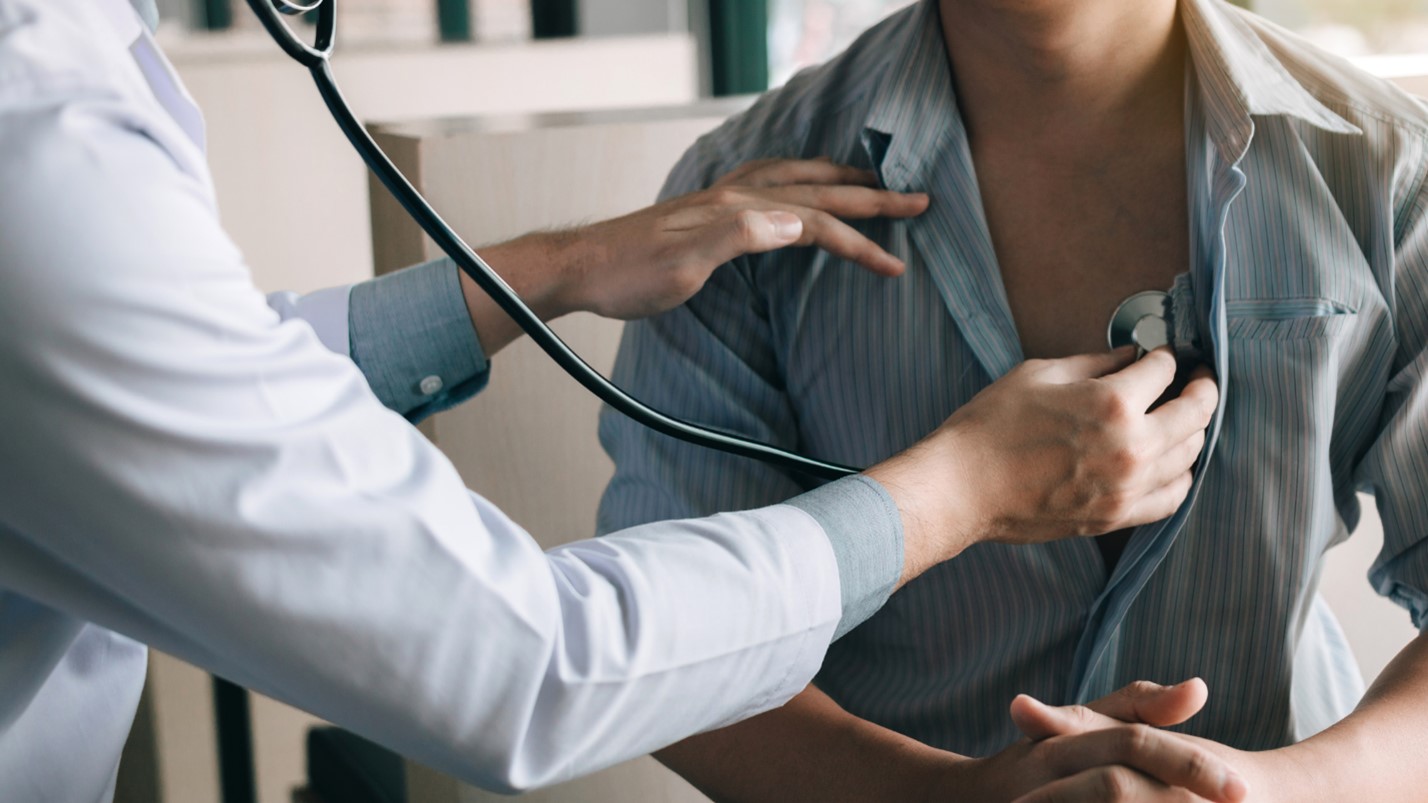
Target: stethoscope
x,y
316,58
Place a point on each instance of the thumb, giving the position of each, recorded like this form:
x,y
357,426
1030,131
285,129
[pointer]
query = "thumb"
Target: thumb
x,y
752,231
1090,366
1154,704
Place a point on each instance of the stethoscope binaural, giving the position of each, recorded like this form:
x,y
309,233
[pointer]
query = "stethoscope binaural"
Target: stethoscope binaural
x,y
316,58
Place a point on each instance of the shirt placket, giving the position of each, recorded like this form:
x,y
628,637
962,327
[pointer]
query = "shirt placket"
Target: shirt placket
x,y
1091,673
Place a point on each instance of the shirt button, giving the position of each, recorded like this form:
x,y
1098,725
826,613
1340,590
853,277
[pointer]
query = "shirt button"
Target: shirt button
x,y
431,385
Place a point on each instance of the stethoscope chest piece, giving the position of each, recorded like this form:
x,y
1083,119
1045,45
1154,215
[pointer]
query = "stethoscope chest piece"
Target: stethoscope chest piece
x,y
1140,321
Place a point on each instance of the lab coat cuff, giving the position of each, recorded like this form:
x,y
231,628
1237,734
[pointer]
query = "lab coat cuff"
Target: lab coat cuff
x,y
411,335
326,311
865,529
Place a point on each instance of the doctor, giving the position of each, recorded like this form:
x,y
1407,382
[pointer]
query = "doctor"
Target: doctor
x,y
235,479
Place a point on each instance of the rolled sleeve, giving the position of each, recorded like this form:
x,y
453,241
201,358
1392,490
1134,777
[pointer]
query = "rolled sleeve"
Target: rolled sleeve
x,y
865,530
1395,468
411,335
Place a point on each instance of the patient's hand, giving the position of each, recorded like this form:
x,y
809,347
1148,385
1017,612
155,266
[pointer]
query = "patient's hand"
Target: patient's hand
x,y
1270,775
1108,750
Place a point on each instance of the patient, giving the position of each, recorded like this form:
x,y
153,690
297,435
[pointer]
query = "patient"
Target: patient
x,y
1076,153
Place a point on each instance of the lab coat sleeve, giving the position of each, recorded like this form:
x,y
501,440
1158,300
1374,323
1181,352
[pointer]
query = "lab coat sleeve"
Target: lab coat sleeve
x,y
1395,467
409,332
180,465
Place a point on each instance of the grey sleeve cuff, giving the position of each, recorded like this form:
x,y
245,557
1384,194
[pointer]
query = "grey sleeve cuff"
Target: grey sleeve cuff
x,y
411,335
863,525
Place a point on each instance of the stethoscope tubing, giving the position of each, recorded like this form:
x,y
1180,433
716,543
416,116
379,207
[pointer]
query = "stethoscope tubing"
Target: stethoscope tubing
x,y
315,58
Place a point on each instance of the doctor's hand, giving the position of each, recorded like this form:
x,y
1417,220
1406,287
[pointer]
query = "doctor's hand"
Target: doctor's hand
x,y
1054,449
1107,750
657,258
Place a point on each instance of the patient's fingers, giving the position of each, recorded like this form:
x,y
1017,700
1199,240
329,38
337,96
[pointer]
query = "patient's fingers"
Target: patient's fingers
x,y
1164,756
1152,703
1141,701
1110,785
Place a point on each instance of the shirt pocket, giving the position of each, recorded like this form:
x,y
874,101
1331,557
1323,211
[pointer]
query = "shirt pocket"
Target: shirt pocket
x,y
1286,318
1270,478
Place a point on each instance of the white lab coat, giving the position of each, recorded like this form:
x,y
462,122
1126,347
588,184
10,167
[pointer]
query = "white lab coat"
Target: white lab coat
x,y
180,466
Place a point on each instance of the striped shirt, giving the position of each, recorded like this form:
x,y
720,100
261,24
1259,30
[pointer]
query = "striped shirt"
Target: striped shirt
x,y
1309,270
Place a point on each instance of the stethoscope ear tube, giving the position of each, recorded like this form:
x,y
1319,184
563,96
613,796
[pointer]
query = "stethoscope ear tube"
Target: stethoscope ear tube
x,y
315,58
309,56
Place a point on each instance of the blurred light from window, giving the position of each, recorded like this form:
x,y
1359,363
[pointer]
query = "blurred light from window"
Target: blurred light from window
x,y
1354,27
807,32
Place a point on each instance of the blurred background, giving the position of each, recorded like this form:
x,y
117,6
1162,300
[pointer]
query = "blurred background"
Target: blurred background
x,y
797,32
296,200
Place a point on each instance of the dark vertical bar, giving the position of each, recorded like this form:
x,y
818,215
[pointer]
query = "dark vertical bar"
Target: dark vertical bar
x,y
236,773
453,19
215,15
553,19
739,46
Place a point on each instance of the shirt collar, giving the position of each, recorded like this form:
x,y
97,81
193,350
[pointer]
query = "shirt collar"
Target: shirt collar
x,y
148,11
1238,77
914,108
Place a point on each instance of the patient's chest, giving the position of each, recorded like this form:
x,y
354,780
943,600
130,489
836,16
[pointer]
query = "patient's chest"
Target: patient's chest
x,y
1074,237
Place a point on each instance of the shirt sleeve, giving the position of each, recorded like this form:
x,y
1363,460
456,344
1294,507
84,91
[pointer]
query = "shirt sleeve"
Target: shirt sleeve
x,y
186,468
1395,468
712,361
409,332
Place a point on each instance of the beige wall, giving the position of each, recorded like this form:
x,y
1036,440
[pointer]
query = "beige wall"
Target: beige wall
x,y
293,194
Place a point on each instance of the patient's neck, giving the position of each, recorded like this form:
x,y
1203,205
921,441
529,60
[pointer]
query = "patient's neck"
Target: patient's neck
x,y
1064,68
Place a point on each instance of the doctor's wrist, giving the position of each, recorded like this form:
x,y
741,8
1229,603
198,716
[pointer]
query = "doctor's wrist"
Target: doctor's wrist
x,y
539,268
939,515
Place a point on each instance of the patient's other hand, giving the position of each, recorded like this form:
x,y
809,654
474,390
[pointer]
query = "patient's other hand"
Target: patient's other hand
x,y
1055,448
1141,702
1104,751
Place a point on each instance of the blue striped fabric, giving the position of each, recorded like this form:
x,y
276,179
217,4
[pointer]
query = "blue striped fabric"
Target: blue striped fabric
x,y
1309,266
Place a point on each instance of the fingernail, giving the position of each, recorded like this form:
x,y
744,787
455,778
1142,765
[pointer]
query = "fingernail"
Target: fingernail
x,y
1235,787
787,225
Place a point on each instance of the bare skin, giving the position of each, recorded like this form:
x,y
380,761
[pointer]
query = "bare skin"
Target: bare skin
x,y
1373,754
1087,206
